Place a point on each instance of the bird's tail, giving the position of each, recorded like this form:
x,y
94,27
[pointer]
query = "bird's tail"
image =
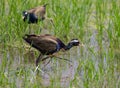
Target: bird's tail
x,y
45,5
26,36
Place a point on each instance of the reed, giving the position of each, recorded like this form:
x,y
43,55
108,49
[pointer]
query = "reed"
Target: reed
x,y
94,22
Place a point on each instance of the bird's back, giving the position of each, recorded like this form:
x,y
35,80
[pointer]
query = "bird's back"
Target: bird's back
x,y
46,44
38,11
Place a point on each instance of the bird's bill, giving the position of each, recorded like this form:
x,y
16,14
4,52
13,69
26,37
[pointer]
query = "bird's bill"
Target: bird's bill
x,y
23,17
82,44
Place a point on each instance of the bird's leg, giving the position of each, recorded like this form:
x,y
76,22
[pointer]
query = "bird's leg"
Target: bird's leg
x,y
29,29
38,59
53,55
61,58
47,63
50,56
51,20
46,57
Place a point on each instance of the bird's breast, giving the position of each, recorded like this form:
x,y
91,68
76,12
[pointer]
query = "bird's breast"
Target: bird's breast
x,y
58,47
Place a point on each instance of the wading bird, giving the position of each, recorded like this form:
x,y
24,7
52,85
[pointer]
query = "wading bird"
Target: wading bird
x,y
35,14
48,45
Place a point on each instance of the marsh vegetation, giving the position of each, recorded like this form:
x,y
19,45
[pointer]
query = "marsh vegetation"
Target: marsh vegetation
x,y
96,23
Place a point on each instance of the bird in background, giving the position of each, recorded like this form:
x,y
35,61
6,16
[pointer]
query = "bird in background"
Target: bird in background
x,y
35,14
48,45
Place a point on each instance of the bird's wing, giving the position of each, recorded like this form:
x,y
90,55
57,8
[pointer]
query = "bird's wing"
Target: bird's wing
x,y
44,44
38,11
31,10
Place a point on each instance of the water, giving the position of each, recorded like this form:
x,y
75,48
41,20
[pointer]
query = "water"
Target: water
x,y
17,60
19,64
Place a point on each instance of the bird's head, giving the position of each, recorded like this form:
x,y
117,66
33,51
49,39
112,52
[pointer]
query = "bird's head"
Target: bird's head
x,y
24,15
74,42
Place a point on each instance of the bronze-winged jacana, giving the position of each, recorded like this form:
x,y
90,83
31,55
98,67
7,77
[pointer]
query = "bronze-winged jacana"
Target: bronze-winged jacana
x,y
35,14
48,44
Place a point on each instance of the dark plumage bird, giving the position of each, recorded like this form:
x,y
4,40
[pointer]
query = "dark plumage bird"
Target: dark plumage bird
x,y
48,44
35,14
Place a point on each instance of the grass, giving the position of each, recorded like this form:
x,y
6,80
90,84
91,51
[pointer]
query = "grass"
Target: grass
x,y
95,22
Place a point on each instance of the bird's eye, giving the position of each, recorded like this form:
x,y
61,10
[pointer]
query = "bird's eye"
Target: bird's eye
x,y
25,13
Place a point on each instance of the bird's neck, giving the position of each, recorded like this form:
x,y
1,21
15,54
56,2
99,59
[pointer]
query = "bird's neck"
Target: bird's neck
x,y
68,46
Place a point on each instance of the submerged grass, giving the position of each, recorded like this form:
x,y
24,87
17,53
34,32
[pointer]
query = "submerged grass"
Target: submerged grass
x,y
95,22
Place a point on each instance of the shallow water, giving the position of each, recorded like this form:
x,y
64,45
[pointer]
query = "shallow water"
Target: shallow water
x,y
18,61
19,64
55,69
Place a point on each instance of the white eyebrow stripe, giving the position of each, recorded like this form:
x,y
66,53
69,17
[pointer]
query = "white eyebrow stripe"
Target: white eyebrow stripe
x,y
25,12
75,41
